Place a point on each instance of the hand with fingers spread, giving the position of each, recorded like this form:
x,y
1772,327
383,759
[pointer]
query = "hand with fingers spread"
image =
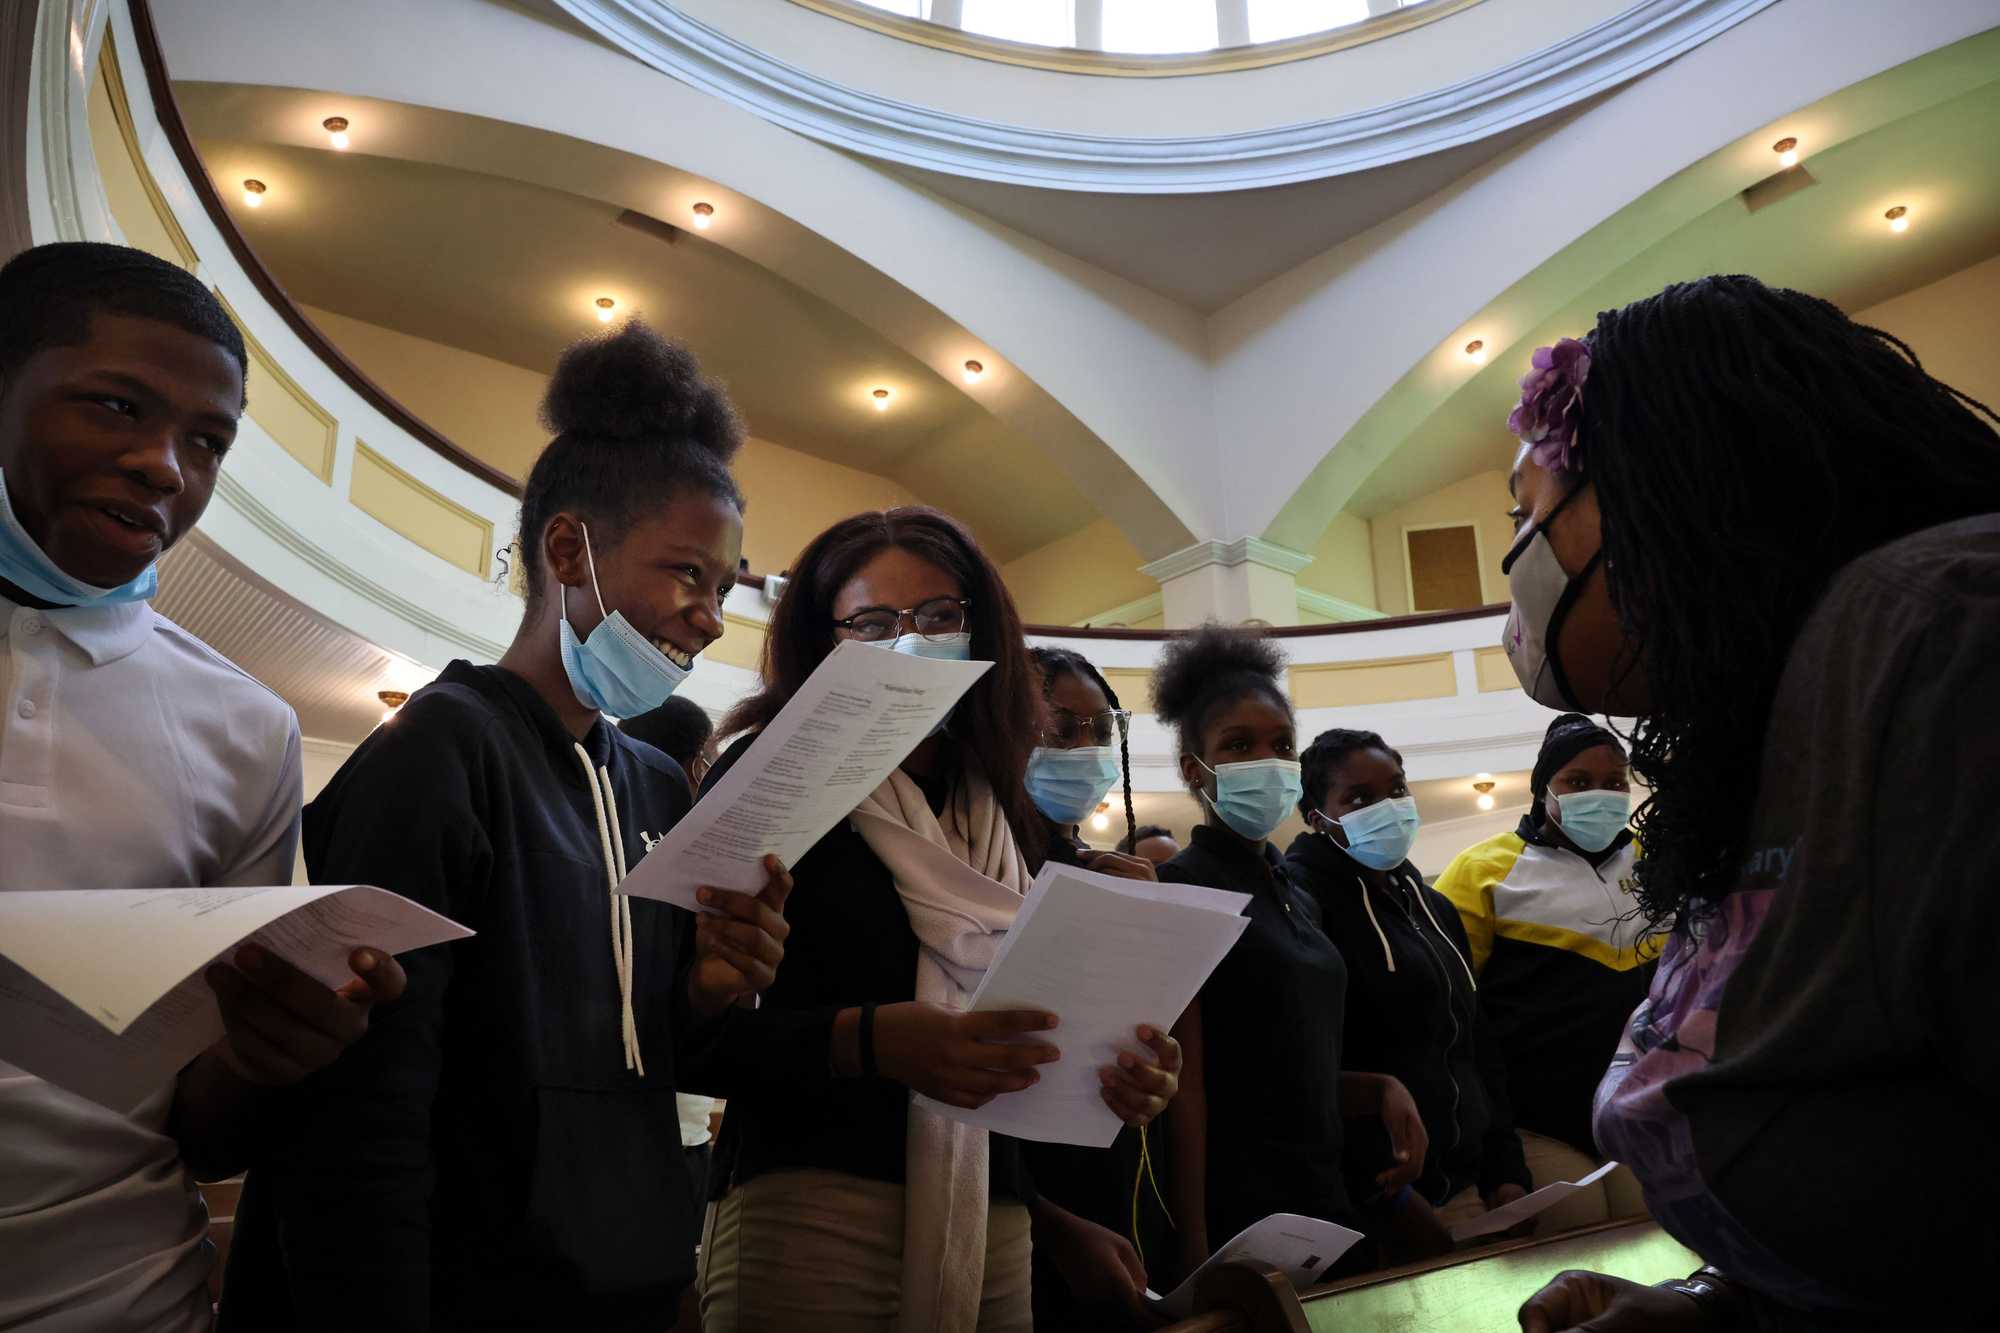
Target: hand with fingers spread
x,y
740,941
959,1058
1600,1303
280,1024
1139,1087
1119,865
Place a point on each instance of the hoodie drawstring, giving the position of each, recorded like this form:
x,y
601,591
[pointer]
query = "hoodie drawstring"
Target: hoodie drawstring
x,y
1424,903
1368,904
611,842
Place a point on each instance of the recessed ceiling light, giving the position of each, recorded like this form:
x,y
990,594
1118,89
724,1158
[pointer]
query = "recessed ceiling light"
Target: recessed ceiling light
x,y
253,193
703,215
336,128
392,700
1485,790
973,372
881,397
1899,218
605,305
1475,351
1787,150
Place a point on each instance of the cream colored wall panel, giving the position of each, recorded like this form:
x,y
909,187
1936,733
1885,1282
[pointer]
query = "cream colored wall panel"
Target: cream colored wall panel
x,y
288,414
1495,671
1075,579
135,198
1397,680
398,500
1133,688
741,644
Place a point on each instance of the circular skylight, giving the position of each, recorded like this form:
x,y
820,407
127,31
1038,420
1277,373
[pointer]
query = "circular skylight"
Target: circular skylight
x,y
1142,27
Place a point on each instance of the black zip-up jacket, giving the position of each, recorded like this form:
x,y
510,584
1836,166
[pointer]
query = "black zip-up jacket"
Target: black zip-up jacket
x,y
1412,1012
482,1159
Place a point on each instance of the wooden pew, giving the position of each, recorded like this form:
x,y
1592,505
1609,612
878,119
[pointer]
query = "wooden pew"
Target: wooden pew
x,y
1470,1289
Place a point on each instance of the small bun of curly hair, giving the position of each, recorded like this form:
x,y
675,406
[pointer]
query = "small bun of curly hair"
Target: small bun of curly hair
x,y
1216,664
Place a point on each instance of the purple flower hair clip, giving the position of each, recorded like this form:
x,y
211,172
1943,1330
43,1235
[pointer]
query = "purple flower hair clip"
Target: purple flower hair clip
x,y
1551,405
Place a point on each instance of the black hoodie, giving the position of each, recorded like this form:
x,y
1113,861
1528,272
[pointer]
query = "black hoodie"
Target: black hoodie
x,y
1412,1012
482,1158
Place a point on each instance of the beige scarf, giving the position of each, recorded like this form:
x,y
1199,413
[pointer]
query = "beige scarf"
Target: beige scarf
x,y
961,887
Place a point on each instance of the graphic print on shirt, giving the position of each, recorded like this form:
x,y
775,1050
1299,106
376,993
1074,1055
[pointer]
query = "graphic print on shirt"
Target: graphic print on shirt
x,y
1673,1034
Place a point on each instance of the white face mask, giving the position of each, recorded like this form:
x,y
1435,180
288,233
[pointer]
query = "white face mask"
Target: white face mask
x,y
1543,596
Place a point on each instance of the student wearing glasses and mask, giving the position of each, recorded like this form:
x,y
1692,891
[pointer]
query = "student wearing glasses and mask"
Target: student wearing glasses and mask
x,y
1082,754
840,1205
1260,1122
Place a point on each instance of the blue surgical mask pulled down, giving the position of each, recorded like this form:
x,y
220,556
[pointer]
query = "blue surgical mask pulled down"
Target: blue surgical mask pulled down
x,y
1254,796
1594,819
1068,784
1380,836
27,566
617,670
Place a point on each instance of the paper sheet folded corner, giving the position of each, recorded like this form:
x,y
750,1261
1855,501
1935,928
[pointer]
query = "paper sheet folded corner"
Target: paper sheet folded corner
x,y
1303,1247
1104,955
1525,1207
101,990
851,724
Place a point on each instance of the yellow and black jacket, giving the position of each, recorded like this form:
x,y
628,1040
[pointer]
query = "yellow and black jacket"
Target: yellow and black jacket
x,y
1556,946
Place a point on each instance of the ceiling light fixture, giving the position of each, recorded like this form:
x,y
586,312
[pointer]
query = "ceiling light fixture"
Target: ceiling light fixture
x,y
1899,218
605,305
336,126
881,397
1485,790
1475,351
392,700
703,215
253,193
973,372
1102,819
1787,150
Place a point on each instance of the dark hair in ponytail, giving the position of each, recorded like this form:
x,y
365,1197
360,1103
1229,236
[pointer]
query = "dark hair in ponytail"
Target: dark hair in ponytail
x,y
635,423
1198,673
1747,442
1059,662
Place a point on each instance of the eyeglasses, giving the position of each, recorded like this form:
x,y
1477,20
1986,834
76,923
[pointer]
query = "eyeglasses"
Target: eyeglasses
x,y
939,618
1068,731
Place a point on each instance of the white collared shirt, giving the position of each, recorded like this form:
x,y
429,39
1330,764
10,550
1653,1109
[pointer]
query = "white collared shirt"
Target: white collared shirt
x,y
132,755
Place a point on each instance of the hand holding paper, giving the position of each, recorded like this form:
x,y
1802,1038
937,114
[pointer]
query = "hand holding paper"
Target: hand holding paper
x,y
110,992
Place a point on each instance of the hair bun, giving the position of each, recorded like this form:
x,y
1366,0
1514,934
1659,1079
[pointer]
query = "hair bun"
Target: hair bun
x,y
1191,664
634,383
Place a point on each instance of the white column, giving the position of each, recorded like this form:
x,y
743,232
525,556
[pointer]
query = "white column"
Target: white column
x,y
1089,25
1378,7
950,13
1232,23
1247,579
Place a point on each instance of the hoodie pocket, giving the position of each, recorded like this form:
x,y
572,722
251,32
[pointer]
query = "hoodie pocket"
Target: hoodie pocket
x,y
611,1203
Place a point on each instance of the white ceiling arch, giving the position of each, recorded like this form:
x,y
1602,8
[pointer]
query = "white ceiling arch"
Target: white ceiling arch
x,y
1569,69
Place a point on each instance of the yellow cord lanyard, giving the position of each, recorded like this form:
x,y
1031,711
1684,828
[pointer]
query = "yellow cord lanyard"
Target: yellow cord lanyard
x,y
1144,1175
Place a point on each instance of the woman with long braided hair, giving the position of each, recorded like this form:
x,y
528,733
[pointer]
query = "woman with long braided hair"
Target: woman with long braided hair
x,y
1764,531
1073,767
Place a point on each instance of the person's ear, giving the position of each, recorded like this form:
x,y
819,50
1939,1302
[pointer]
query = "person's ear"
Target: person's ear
x,y
562,550
1193,776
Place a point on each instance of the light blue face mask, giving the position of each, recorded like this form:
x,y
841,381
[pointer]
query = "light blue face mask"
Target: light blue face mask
x,y
1594,819
1380,836
1253,797
617,670
27,566
1068,784
946,648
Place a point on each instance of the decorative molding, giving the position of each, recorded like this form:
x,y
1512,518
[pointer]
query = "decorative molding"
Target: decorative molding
x,y
373,472
1242,551
17,65
1143,608
1336,609
60,158
1583,65
1497,614
128,132
261,516
1125,64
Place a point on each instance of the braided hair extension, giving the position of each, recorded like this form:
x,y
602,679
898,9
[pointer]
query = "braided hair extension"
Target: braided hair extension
x,y
1058,662
1746,443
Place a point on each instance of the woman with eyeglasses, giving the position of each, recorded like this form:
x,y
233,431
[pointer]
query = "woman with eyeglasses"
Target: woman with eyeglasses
x,y
1081,754
840,1204
1413,1008
1260,1123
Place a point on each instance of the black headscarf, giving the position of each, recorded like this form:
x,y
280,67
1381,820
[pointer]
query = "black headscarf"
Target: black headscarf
x,y
1568,736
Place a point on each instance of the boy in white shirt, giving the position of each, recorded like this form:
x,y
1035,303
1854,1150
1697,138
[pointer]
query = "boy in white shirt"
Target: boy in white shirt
x,y
133,756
